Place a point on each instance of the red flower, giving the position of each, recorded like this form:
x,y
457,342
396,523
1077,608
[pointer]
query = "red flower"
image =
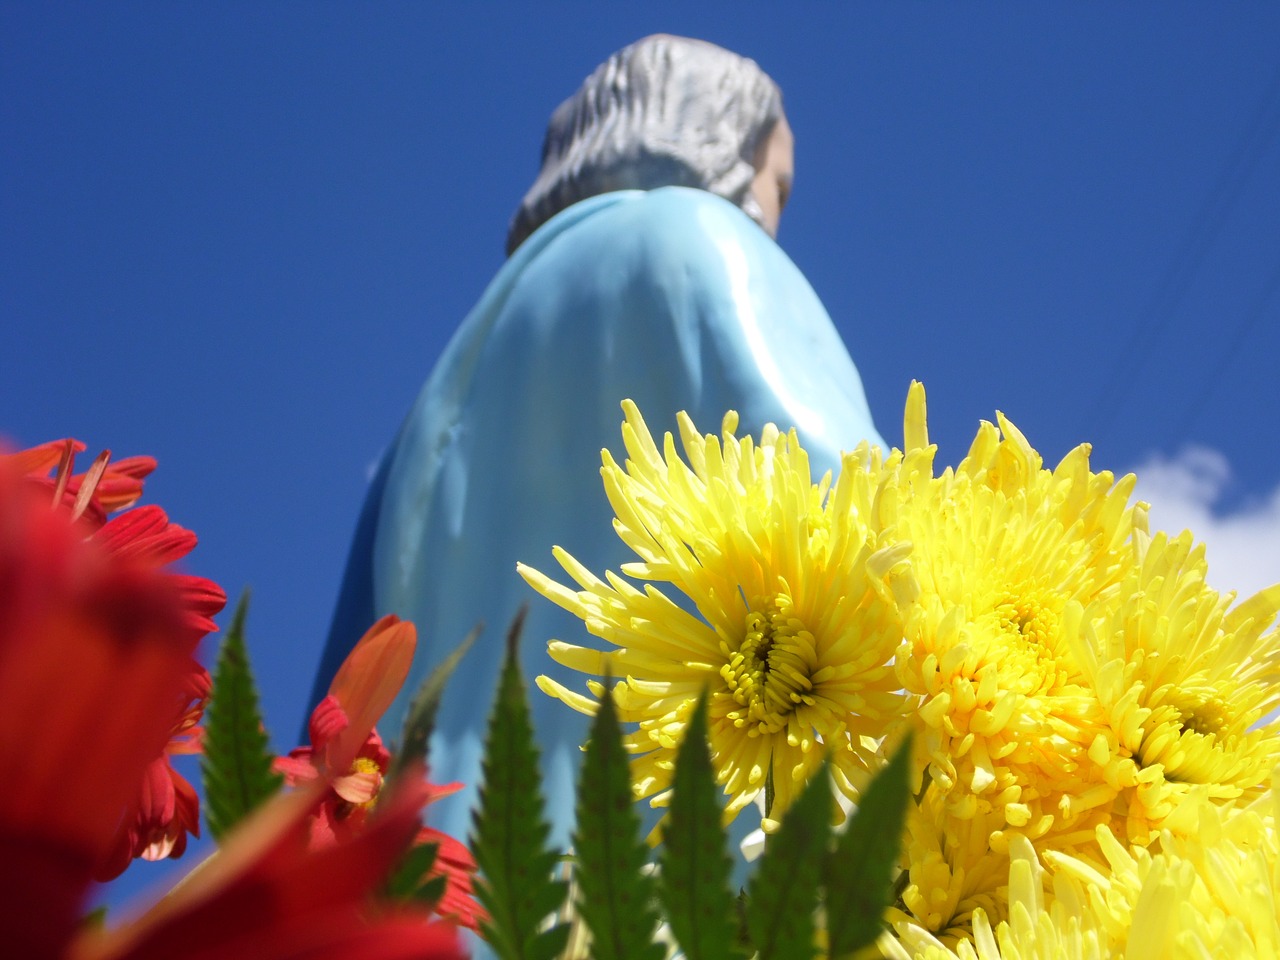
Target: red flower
x,y
268,896
351,795
168,808
87,653
455,863
111,486
348,756
167,805
90,672
146,536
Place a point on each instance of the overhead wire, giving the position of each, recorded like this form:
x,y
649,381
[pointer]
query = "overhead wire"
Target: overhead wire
x,y
1218,375
1196,243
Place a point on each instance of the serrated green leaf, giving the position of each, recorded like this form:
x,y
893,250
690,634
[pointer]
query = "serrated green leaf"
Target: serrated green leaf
x,y
696,867
421,719
784,891
236,764
616,895
549,944
429,894
407,876
768,787
510,835
859,874
740,904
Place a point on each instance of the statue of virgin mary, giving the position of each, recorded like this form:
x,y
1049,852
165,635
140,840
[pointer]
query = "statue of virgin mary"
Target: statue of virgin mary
x,y
642,264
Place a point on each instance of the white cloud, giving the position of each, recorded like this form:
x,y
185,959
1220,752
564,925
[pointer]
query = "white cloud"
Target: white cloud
x,y
1243,546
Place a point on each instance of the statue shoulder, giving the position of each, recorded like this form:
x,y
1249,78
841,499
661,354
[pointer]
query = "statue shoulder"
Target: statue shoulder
x,y
671,231
679,219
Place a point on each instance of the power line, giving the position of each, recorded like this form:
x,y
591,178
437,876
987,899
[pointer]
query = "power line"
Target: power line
x,y
1197,242
1210,383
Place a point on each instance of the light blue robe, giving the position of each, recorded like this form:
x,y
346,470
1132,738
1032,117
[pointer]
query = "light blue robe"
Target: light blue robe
x,y
673,298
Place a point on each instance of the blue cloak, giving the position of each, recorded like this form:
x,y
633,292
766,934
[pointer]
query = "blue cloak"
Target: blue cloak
x,y
673,298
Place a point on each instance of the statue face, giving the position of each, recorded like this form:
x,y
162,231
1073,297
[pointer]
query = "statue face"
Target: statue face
x,y
775,168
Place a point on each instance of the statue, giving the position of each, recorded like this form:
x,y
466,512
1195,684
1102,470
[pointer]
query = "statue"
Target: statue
x,y
642,265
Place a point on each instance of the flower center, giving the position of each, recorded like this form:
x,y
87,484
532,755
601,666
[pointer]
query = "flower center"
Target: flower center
x,y
1203,715
368,765
1027,616
346,808
769,673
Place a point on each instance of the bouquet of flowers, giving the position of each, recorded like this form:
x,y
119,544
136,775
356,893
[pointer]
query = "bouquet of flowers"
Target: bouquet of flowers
x,y
979,711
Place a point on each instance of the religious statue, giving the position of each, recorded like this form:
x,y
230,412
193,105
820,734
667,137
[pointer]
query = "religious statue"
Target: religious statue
x,y
641,265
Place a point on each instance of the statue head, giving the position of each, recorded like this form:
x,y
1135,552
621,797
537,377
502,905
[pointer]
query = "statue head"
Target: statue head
x,y
665,111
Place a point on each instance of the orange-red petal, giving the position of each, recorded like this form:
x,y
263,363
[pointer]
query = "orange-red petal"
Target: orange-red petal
x,y
357,787
39,460
367,683
146,536
265,897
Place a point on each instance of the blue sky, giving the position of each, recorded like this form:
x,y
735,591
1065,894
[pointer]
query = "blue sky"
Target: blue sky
x,y
236,238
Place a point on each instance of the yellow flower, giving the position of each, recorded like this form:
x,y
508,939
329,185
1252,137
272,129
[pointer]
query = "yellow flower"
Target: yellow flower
x,y
1212,894
1035,930
795,619
1182,679
1005,552
952,871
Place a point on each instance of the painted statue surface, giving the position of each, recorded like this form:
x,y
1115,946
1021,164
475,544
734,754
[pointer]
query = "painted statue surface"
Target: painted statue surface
x,y
671,295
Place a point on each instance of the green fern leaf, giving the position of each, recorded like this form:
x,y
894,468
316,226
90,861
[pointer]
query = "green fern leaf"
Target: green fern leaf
x,y
413,866
859,875
784,891
431,891
696,867
236,765
510,835
616,895
421,719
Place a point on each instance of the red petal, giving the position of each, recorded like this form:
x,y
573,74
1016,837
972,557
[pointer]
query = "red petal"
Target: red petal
x,y
200,596
38,460
357,787
147,536
297,767
367,682
328,720
455,863
121,486
265,897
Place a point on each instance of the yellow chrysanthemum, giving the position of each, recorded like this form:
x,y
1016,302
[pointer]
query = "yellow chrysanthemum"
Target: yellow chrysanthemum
x,y
1061,930
1004,550
951,871
795,619
1182,679
1212,894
